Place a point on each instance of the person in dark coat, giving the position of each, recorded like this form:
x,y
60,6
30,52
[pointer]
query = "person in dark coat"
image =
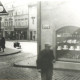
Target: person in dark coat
x,y
3,43
0,44
45,63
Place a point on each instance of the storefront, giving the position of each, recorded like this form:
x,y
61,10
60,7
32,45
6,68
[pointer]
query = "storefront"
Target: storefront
x,y
33,35
59,25
21,33
68,43
17,34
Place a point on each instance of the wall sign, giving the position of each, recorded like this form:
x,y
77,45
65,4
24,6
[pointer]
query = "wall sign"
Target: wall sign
x,y
46,27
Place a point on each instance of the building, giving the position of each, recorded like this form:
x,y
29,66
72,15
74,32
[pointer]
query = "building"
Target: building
x,y
32,10
21,23
9,24
15,25
58,24
21,26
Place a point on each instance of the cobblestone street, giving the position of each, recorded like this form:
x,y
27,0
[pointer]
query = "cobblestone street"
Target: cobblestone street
x,y
66,75
8,71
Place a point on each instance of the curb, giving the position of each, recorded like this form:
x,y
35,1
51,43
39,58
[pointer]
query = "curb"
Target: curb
x,y
56,66
35,67
22,66
10,53
28,65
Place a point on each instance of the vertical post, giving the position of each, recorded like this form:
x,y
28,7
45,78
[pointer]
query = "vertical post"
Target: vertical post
x,y
28,33
55,42
3,33
0,23
0,26
38,28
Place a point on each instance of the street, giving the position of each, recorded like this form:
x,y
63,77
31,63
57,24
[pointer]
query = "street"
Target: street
x,y
28,47
8,71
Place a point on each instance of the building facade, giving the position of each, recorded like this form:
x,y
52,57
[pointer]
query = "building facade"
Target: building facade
x,y
15,25
9,24
32,11
21,24
58,24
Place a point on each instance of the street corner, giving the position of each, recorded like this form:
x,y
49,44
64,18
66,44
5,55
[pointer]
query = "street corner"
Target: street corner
x,y
28,63
9,51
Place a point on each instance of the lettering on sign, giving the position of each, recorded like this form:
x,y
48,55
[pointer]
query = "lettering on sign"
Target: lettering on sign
x,y
46,27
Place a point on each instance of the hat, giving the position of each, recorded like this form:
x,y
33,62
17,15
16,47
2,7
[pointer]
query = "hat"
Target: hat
x,y
48,44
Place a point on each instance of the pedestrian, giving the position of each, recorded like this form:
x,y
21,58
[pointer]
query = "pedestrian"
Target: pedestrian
x,y
45,62
0,43
34,37
3,43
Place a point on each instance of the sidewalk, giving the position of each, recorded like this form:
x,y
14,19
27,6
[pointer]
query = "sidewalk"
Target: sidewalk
x,y
9,51
28,47
30,62
62,70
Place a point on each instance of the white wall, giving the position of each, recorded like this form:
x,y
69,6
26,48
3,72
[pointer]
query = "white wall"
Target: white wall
x,y
57,14
33,13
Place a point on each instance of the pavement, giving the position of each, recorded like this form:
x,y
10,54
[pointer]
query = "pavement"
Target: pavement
x,y
9,51
30,62
63,70
26,47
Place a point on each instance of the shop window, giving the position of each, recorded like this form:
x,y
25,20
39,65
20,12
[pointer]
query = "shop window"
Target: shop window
x,y
68,42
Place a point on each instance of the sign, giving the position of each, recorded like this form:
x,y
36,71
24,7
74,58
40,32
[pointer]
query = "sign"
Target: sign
x,y
9,28
46,27
2,10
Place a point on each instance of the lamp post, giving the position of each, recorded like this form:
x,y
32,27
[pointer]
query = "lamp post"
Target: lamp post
x,y
0,23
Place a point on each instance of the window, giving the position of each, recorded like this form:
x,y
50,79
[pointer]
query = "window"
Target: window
x,y
26,18
15,19
6,20
34,32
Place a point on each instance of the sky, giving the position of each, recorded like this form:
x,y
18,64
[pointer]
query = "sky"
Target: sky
x,y
18,4
9,3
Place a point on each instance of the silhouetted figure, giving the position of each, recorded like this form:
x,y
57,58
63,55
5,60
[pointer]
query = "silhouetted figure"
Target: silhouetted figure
x,y
45,63
3,43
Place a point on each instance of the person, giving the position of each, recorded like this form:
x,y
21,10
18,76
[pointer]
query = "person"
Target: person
x,y
45,62
0,43
3,43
